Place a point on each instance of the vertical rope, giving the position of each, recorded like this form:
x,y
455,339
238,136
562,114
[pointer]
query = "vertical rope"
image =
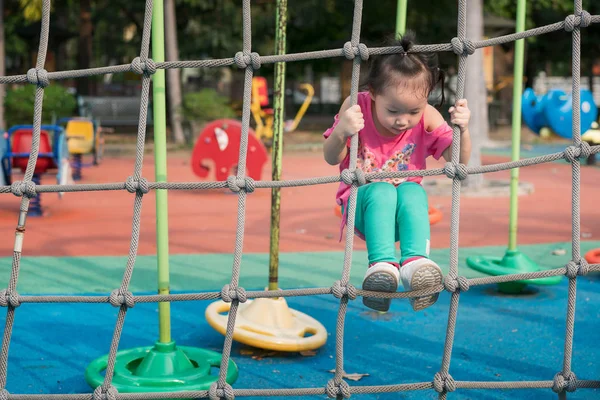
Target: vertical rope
x,y
241,176
39,76
339,365
455,209
575,199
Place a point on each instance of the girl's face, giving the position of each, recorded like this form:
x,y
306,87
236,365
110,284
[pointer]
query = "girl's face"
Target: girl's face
x,y
398,107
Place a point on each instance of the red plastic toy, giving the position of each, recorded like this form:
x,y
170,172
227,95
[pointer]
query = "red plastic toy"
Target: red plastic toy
x,y
21,144
219,142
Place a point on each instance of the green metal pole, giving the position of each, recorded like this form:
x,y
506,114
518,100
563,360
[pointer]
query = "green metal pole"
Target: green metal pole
x,y
516,127
277,149
401,17
160,164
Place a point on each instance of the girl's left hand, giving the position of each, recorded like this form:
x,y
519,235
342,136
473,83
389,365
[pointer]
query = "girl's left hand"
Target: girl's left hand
x,y
460,115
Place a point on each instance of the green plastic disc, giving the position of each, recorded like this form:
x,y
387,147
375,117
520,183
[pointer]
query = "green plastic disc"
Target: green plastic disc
x,y
163,367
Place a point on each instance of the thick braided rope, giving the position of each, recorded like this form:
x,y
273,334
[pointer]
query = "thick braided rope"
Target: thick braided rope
x,y
572,24
457,172
39,77
242,59
353,50
564,381
249,61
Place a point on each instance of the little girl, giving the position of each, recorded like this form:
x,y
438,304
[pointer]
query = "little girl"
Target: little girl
x,y
397,130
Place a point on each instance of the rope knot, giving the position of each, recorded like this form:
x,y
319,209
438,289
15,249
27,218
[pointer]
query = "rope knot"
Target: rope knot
x,y
20,188
456,171
146,66
217,393
562,383
4,394
228,294
582,20
333,389
243,60
573,153
11,298
38,77
348,177
340,291
443,382
453,285
118,298
108,394
462,47
580,268
236,184
141,186
352,51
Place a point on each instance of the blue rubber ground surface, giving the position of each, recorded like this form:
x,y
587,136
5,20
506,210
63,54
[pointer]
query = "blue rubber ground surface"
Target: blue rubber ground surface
x,y
498,338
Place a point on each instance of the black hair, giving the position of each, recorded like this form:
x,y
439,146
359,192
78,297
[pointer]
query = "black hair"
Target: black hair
x,y
407,65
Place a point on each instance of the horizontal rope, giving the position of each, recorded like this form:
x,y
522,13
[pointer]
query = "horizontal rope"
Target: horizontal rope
x,y
301,292
526,162
406,387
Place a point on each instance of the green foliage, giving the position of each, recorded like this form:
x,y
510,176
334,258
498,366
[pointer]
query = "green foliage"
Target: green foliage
x,y
508,8
206,105
214,29
552,50
19,104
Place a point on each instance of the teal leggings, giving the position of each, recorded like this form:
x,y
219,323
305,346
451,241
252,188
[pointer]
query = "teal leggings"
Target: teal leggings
x,y
387,214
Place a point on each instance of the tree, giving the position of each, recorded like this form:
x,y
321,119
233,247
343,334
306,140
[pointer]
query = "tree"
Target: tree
x,y
475,92
84,49
173,74
552,52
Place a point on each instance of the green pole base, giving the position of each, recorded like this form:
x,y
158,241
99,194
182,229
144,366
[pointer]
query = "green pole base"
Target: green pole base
x,y
163,367
513,262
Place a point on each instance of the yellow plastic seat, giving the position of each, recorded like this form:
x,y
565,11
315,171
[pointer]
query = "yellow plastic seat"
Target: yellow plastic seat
x,y
80,136
268,323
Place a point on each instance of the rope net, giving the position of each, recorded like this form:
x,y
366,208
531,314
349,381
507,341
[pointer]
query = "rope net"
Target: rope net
x,y
442,382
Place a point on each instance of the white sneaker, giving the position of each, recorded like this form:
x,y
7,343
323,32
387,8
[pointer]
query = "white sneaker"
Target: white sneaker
x,y
421,274
381,277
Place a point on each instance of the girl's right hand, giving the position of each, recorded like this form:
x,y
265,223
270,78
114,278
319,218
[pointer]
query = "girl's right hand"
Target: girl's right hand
x,y
352,121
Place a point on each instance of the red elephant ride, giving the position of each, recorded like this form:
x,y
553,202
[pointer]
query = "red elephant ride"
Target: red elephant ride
x,y
219,142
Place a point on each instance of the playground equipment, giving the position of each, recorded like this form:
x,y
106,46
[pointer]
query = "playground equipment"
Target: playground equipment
x,y
554,110
515,262
269,323
263,116
219,142
53,155
164,366
593,256
442,382
84,136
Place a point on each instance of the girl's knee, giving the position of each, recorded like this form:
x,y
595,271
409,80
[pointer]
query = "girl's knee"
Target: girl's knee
x,y
380,193
381,188
411,191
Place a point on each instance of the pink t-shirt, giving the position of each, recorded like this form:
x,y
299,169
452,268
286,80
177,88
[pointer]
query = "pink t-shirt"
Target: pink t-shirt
x,y
377,153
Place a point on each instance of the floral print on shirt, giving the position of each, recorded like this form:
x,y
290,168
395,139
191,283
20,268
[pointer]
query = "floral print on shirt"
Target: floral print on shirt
x,y
399,161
